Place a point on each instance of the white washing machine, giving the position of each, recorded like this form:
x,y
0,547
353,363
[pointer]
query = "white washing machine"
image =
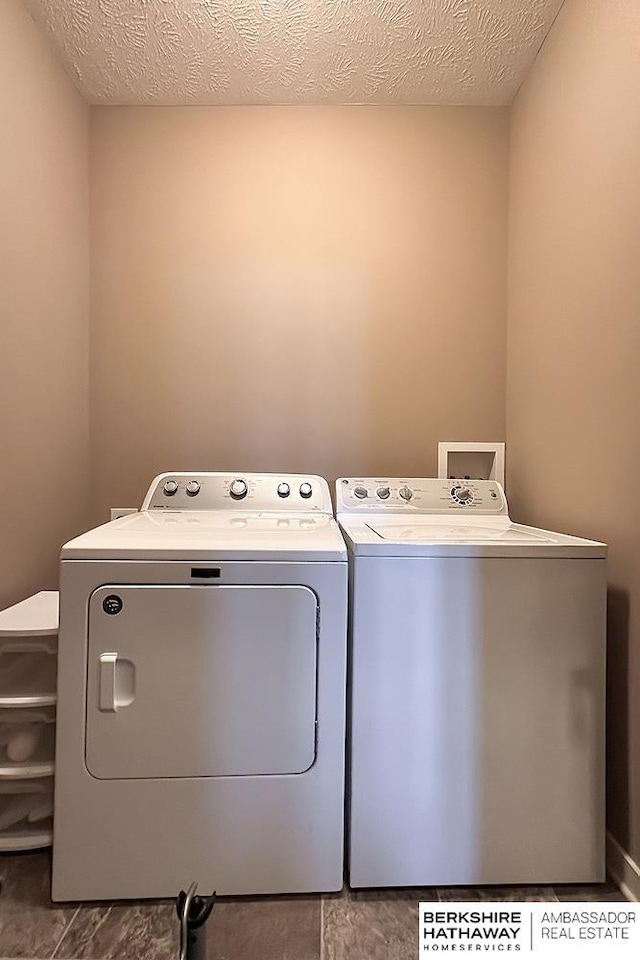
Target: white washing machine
x,y
201,693
477,690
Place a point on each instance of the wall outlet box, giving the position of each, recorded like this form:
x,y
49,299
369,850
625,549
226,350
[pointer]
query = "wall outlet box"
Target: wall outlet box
x,y
122,512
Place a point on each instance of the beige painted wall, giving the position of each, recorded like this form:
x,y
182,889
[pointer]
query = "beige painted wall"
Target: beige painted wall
x,y
313,289
44,302
573,393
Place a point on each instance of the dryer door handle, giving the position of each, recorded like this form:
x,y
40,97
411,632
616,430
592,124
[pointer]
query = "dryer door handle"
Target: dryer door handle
x,y
107,682
116,682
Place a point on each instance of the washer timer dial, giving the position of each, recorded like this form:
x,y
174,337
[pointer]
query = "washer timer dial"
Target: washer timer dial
x,y
238,489
462,495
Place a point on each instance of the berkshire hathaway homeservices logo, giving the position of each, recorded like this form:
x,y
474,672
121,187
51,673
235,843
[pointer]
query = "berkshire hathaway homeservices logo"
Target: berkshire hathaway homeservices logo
x,y
560,930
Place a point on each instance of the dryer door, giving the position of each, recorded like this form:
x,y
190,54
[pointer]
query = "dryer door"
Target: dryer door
x,y
201,681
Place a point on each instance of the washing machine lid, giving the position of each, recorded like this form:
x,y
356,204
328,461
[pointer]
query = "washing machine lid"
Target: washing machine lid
x,y
211,535
434,532
463,537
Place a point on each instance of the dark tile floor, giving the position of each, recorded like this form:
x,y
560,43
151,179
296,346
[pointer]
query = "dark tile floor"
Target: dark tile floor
x,y
352,925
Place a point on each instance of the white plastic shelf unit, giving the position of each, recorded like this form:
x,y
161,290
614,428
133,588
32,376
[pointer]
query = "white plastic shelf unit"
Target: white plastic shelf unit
x,y
28,661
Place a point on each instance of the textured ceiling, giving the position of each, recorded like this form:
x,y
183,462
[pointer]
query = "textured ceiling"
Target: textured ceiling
x,y
297,51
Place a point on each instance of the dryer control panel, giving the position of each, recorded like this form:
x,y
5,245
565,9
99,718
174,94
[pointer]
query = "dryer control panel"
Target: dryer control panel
x,y
286,493
423,495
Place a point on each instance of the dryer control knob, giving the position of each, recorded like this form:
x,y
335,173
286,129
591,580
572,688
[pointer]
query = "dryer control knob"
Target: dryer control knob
x,y
238,489
170,488
193,488
405,493
306,490
464,494
284,489
360,492
384,492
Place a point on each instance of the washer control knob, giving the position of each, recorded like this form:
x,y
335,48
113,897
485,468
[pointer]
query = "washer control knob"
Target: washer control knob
x,y
284,489
193,488
170,488
384,492
238,489
405,492
463,494
360,493
306,490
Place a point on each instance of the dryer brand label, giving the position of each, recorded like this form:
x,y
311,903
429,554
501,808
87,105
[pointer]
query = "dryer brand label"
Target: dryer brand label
x,y
112,604
563,930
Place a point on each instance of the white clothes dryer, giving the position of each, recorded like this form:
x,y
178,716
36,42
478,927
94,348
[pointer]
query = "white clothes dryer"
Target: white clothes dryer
x,y
477,690
201,693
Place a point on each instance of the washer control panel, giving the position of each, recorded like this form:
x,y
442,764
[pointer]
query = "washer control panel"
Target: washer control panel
x,y
287,493
423,495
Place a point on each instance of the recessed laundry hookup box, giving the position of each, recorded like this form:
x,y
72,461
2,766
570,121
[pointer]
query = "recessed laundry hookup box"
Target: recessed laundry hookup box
x,y
471,461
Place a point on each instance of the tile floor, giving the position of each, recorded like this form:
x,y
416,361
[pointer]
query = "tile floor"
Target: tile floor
x,y
364,925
